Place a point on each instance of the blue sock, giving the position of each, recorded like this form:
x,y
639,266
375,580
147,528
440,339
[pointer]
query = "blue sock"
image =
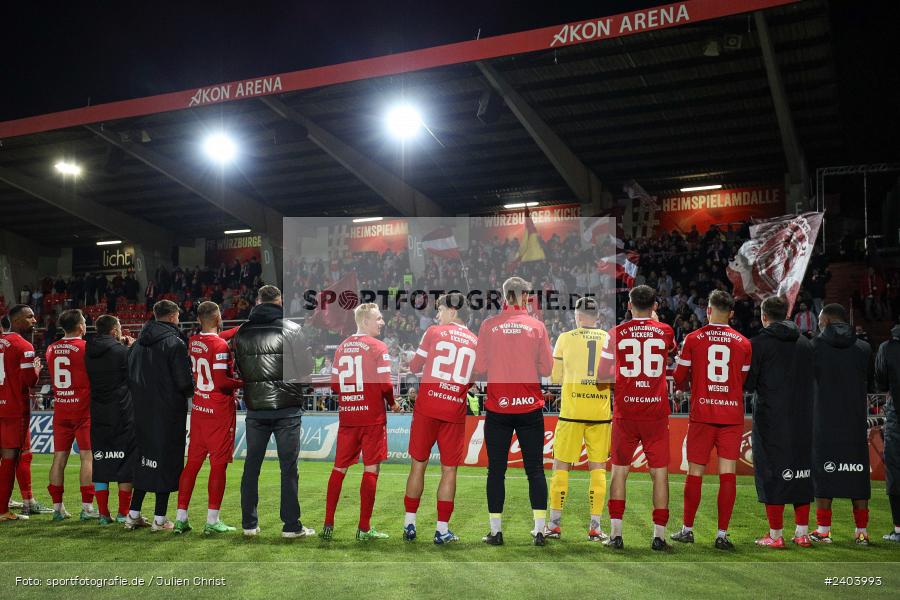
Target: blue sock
x,y
99,487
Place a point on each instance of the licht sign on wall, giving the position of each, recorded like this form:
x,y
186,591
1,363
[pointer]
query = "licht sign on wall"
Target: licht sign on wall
x,y
102,259
710,207
561,220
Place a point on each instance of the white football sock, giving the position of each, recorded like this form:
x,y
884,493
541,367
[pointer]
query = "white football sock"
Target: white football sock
x,y
686,529
539,524
495,525
212,516
659,531
776,533
721,533
826,529
134,514
615,527
409,519
159,519
555,517
595,523
87,506
443,527
58,506
181,514
801,530
896,528
863,530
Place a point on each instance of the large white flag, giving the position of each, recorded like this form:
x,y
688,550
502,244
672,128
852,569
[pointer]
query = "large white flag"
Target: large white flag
x,y
774,260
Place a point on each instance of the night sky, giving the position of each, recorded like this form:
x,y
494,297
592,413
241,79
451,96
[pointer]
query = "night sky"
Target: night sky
x,y
59,56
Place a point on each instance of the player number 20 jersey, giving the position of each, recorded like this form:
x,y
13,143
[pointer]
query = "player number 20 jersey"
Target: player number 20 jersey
x,y
214,383
445,357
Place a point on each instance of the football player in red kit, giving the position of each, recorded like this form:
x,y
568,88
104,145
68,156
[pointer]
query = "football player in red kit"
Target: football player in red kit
x,y
446,357
715,359
213,417
361,376
71,413
19,370
638,350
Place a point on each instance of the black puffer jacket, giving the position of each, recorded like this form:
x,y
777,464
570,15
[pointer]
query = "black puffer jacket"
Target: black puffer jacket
x,y
887,376
273,360
112,415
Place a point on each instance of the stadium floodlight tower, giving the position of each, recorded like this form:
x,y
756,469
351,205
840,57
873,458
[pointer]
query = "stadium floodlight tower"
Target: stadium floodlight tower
x,y
220,147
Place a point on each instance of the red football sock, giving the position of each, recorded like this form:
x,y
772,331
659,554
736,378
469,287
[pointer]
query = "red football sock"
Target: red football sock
x,y
801,514
775,514
861,517
56,493
367,499
7,481
87,494
411,504
616,508
102,502
823,517
186,483
124,502
216,486
23,475
693,487
727,495
660,516
444,510
335,482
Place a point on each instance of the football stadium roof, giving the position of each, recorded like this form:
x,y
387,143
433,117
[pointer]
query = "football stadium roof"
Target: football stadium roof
x,y
693,92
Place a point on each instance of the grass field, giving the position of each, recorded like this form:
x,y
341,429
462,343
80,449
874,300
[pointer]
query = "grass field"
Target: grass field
x,y
270,567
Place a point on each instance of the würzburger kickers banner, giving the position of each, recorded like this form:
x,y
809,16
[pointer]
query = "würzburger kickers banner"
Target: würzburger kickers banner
x,y
774,260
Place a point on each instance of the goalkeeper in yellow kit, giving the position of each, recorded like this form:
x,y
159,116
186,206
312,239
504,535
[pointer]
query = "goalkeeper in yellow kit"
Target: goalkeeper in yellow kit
x,y
584,418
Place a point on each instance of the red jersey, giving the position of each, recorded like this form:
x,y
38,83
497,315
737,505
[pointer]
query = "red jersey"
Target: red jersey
x,y
214,381
71,387
446,358
637,350
361,376
717,358
514,352
17,375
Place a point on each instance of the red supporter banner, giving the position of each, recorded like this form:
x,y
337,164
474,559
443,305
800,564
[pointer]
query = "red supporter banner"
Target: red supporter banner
x,y
379,236
476,452
707,208
562,220
555,36
226,250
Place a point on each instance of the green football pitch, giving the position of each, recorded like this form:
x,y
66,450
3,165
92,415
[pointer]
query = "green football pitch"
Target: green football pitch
x,y
166,565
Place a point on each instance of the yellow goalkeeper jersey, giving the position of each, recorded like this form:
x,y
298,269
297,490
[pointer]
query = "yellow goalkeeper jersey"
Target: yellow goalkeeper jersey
x,y
575,361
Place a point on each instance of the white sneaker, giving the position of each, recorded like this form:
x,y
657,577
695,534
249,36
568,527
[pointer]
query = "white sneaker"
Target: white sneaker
x,y
251,532
132,524
304,532
166,525
14,504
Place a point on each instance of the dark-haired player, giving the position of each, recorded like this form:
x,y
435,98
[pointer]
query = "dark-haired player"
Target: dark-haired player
x,y
584,418
213,418
638,350
71,413
445,357
716,359
19,370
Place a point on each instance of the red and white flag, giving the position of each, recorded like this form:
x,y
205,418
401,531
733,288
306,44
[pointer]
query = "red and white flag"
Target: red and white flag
x,y
774,260
442,242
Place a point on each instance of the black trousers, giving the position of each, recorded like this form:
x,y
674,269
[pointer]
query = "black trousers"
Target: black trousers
x,y
287,440
498,432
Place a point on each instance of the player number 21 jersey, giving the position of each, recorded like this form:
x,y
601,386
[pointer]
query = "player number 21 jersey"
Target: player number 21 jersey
x,y
361,376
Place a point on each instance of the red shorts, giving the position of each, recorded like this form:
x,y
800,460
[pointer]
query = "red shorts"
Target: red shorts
x,y
703,437
14,433
213,436
450,438
652,435
371,440
65,431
